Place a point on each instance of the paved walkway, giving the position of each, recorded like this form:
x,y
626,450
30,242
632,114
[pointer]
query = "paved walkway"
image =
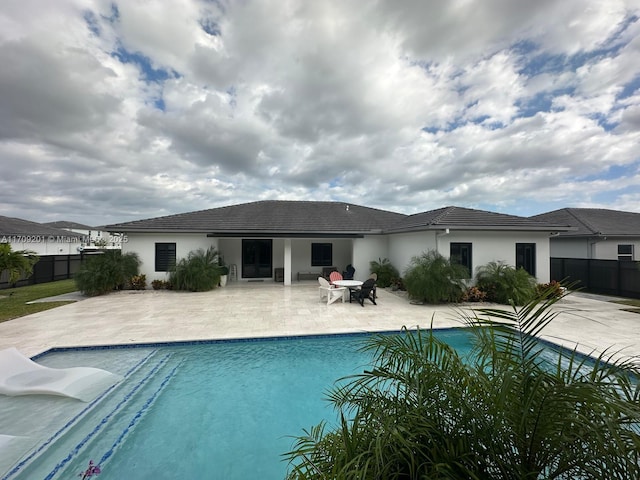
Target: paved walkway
x,y
257,310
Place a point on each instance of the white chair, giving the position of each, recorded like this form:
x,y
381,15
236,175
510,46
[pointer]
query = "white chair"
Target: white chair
x,y
19,375
332,294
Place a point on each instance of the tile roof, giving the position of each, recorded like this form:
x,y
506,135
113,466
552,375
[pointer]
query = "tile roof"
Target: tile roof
x,y
470,219
66,224
10,226
282,217
272,217
595,221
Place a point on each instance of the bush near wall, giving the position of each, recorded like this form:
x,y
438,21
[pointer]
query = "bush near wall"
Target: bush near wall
x,y
104,272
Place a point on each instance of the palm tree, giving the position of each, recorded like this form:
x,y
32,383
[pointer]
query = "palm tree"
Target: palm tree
x,y
199,272
433,278
17,263
507,411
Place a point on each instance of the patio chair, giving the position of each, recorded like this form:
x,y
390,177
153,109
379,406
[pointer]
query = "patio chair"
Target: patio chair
x,y
333,276
367,291
332,294
19,375
349,272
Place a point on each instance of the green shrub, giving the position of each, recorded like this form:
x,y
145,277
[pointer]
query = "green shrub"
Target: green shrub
x,y
385,271
505,284
198,272
107,271
433,278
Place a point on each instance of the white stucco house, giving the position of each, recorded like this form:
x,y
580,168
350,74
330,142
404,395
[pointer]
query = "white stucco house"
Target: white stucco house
x,y
290,241
42,239
92,237
598,234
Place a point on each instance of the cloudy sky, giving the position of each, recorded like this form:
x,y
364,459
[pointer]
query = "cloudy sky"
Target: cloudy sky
x,y
119,110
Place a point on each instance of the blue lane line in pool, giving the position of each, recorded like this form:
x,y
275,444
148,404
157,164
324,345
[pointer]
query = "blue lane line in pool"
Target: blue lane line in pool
x,y
139,414
35,452
106,419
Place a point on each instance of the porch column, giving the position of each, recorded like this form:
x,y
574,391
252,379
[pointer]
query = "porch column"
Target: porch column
x,y
287,261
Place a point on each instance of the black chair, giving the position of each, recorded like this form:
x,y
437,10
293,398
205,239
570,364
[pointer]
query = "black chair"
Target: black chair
x,y
348,273
367,291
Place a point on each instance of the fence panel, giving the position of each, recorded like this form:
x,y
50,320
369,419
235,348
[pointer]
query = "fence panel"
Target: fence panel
x,y
48,269
608,277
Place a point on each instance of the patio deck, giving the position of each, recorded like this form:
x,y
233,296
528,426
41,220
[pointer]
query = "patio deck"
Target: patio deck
x,y
242,310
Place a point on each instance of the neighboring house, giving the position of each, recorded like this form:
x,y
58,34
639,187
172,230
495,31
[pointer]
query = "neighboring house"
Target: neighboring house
x,y
598,234
42,239
91,236
301,238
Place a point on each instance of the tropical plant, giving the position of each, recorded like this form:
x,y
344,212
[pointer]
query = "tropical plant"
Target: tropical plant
x,y
433,278
385,271
425,411
159,284
107,271
554,287
474,294
138,282
198,272
18,263
505,284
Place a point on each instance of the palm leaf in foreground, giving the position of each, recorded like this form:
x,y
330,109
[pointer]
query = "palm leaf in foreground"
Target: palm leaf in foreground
x,y
508,411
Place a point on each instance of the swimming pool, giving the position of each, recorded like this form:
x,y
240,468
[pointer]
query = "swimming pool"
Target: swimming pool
x,y
219,410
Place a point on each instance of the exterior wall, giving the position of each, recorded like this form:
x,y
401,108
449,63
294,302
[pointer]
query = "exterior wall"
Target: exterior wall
x,y
144,245
608,249
46,244
301,254
600,248
569,247
398,248
486,247
404,246
367,249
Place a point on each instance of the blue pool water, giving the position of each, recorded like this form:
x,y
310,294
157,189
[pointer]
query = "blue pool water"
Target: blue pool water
x,y
224,410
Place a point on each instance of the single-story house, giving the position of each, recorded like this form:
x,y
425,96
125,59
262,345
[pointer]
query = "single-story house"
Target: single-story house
x,y
91,236
42,239
598,234
290,241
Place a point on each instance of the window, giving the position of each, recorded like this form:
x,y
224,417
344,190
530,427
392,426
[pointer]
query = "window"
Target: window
x,y
321,254
165,256
526,257
625,253
461,253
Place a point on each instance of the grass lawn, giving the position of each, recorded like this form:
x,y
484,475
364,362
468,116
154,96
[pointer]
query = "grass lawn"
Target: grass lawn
x,y
13,300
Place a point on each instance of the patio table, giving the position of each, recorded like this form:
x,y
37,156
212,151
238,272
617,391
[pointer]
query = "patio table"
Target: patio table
x,y
350,284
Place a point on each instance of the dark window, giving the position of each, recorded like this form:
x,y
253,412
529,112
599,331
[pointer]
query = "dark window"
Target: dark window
x,y
526,257
625,252
321,254
460,253
257,257
165,256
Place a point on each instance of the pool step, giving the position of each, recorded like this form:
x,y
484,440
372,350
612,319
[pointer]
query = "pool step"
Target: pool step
x,y
103,425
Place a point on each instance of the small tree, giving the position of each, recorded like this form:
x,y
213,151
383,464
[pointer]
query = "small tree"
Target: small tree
x,y
17,263
199,272
433,278
104,272
505,284
385,271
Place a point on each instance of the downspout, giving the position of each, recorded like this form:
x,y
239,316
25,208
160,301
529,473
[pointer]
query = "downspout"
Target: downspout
x,y
438,235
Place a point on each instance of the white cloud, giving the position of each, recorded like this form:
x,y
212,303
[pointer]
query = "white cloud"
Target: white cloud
x,y
407,107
